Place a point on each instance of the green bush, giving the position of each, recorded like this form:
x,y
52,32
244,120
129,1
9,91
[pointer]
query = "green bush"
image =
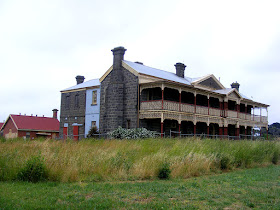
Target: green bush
x,y
164,171
2,139
275,157
135,133
92,131
225,161
33,171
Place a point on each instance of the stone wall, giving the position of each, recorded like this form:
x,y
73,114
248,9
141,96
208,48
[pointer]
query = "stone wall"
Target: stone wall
x,y
118,96
118,101
74,113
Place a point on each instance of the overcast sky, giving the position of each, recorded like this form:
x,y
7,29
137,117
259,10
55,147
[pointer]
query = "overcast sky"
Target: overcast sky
x,y
45,44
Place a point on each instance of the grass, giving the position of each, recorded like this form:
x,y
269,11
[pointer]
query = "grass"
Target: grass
x,y
242,189
120,160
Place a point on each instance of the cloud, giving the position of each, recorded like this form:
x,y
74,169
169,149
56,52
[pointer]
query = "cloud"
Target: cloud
x,y
45,44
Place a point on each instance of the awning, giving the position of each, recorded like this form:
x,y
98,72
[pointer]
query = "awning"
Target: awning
x,y
44,134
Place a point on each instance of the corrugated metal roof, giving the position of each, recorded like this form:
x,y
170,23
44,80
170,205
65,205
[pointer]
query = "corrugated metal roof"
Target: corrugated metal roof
x,y
140,68
223,91
90,83
158,73
228,90
35,123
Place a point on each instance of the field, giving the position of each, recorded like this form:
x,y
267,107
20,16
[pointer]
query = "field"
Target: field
x,y
102,174
132,160
242,189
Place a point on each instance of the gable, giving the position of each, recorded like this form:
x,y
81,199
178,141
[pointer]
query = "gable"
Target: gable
x,y
9,128
211,83
233,95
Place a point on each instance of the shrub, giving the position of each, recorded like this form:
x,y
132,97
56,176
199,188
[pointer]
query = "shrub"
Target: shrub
x,y
224,160
92,131
275,157
2,139
164,171
135,133
33,171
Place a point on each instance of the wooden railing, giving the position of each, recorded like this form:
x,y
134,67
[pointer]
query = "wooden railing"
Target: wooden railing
x,y
187,108
171,105
232,114
151,105
190,108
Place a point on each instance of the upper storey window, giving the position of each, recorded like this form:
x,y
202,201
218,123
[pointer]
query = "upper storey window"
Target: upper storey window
x,y
94,97
67,102
77,101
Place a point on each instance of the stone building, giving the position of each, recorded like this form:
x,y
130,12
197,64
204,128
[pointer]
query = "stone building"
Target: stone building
x,y
134,95
79,108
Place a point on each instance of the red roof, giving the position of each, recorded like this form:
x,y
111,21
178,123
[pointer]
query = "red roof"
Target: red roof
x,y
35,123
1,124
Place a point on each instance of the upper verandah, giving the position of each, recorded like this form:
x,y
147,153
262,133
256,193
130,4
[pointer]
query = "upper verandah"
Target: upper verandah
x,y
208,84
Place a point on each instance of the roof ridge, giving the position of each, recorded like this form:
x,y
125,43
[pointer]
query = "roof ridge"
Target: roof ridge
x,y
188,79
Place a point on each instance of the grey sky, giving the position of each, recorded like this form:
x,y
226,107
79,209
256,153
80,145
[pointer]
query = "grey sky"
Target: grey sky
x,y
45,44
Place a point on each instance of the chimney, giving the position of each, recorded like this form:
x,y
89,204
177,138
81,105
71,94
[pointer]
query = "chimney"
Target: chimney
x,y
80,79
138,62
180,69
55,113
118,53
235,85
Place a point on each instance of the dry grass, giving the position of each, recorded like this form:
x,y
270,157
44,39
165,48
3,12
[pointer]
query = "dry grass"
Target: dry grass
x,y
97,160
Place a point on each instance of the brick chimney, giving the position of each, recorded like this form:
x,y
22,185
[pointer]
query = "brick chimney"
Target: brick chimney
x,y
180,69
235,85
80,79
55,113
118,53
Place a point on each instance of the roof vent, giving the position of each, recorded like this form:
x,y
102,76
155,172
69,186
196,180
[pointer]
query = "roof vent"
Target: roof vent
x,y
138,62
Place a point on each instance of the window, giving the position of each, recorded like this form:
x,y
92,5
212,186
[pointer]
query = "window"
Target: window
x,y
67,102
28,135
94,97
77,101
93,124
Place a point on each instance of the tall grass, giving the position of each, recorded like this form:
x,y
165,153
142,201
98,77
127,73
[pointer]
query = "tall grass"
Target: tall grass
x,y
97,160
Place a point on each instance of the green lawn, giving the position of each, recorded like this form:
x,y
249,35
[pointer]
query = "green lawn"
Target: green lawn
x,y
251,188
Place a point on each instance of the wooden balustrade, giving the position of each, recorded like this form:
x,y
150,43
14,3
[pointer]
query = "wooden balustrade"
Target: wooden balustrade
x,y
187,108
232,114
214,112
190,108
151,105
202,110
170,105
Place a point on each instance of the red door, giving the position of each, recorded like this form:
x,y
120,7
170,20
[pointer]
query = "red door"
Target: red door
x,y
65,132
76,132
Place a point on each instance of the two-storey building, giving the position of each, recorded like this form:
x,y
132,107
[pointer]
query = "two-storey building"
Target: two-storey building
x,y
79,108
134,95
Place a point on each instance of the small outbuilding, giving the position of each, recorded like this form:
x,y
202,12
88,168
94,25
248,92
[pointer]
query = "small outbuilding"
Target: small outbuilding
x,y
30,127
